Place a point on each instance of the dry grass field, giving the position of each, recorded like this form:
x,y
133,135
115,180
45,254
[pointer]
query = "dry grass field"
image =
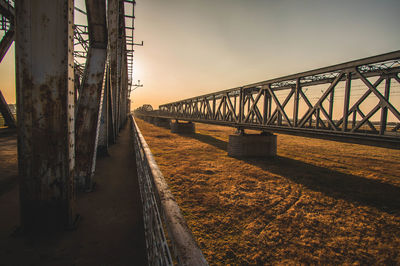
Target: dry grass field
x,y
317,202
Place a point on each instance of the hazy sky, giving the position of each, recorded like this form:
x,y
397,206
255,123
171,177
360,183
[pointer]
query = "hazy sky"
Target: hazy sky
x,y
192,47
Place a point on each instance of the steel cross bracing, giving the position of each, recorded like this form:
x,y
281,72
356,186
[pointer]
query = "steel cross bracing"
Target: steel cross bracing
x,y
7,26
102,73
354,101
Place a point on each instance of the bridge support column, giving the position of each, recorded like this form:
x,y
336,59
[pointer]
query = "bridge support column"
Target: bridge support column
x,y
45,107
149,119
252,145
88,109
162,122
182,128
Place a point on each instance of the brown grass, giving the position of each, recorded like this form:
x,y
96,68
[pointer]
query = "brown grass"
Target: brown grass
x,y
318,201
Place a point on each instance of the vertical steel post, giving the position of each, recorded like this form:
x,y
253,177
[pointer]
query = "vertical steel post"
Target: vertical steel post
x,y
124,83
354,121
213,108
331,102
45,108
384,111
120,30
77,85
241,105
110,120
346,101
317,115
224,116
87,117
265,106
296,103
102,145
113,32
234,105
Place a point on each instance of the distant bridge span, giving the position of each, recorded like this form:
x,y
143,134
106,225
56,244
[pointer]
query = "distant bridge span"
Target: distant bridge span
x,y
356,101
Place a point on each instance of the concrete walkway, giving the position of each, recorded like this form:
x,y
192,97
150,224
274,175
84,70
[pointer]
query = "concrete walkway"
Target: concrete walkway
x,y
110,232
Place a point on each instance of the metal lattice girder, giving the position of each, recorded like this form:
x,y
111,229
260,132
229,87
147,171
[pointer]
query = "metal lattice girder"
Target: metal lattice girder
x,y
7,9
304,103
89,104
45,111
7,14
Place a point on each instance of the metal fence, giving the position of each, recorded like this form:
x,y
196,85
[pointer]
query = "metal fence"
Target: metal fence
x,y
160,212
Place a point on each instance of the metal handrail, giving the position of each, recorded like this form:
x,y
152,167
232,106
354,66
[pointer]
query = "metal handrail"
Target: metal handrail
x,y
161,210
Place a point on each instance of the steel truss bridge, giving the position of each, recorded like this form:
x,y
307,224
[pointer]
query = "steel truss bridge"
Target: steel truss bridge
x,y
73,81
356,101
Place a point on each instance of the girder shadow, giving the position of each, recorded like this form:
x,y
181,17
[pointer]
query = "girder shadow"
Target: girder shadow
x,y
351,188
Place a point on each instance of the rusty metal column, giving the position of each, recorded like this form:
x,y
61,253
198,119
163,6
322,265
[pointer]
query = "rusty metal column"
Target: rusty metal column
x,y
45,108
6,42
110,119
113,32
124,67
102,145
124,89
87,117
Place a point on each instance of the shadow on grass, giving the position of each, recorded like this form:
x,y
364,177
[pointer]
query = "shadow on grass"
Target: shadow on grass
x,y
361,190
217,143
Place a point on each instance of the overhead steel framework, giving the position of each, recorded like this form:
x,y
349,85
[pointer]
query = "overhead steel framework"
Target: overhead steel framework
x,y
356,101
72,87
73,83
7,26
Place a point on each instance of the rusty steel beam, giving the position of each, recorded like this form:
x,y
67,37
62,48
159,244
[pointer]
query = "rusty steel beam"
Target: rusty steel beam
x,y
6,112
6,43
45,111
124,91
113,37
102,145
89,103
110,110
7,10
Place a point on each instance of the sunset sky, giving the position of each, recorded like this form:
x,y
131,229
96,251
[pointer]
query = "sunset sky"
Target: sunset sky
x,y
192,47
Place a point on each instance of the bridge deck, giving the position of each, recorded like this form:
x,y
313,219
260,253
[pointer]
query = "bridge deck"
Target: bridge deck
x,y
111,229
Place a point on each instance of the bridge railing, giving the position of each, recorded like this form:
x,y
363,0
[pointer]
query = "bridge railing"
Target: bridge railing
x,y
160,212
357,99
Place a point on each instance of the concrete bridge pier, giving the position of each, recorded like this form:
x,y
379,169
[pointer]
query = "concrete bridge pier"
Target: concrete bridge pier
x,y
252,145
182,127
161,122
150,119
